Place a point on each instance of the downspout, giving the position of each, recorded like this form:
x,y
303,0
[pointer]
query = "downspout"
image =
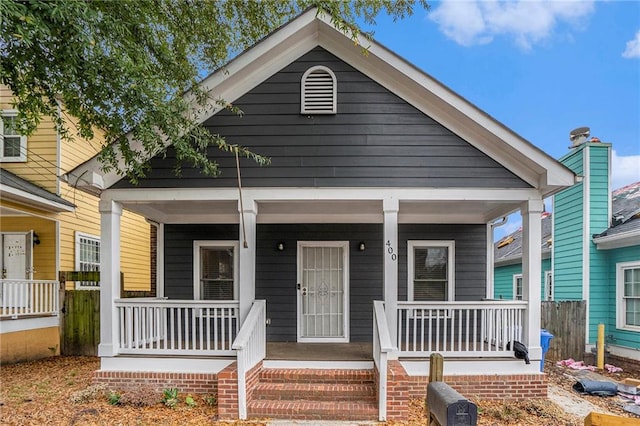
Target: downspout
x,y
58,176
490,260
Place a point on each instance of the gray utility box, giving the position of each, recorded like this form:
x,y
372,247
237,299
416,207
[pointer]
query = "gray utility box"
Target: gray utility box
x,y
448,407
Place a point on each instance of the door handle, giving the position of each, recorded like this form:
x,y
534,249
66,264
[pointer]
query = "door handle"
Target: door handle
x,y
298,286
304,291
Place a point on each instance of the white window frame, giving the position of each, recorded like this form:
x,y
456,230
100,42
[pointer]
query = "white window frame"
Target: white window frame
x,y
620,301
78,236
517,277
197,245
549,289
451,264
310,111
22,158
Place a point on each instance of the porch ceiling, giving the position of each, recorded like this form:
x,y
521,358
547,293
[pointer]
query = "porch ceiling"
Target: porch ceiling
x,y
323,211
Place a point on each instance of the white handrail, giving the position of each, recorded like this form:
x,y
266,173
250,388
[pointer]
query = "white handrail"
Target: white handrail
x,y
250,347
22,298
156,326
383,351
462,329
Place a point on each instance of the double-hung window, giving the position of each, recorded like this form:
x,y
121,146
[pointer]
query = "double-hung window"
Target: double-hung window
x,y
431,267
13,145
215,270
628,295
517,287
87,258
548,285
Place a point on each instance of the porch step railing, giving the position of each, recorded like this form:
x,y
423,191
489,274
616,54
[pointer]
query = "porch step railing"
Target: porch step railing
x,y
25,298
250,346
459,329
383,351
176,327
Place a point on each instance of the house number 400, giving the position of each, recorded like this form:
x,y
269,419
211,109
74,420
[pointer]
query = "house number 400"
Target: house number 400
x,y
390,251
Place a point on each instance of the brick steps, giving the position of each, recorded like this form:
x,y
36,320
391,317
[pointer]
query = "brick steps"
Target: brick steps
x,y
314,394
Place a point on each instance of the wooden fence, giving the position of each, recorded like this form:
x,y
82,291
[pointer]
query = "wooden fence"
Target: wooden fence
x,y
566,320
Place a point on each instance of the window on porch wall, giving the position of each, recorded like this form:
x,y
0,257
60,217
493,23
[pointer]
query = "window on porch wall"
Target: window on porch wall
x,y
216,270
431,270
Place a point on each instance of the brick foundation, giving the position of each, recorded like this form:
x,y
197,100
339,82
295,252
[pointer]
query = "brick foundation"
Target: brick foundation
x,y
195,383
228,393
397,392
502,387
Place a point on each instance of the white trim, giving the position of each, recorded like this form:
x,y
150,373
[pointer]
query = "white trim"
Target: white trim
x,y
549,286
25,324
76,249
345,302
160,260
624,352
390,207
490,263
620,311
471,367
197,245
172,364
22,158
514,293
303,92
624,239
586,235
451,264
313,29
19,195
319,365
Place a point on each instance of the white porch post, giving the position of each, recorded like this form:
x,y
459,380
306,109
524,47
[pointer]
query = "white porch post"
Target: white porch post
x,y
531,272
110,214
247,272
390,208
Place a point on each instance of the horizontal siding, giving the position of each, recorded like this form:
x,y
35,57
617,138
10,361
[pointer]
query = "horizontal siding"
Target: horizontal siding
x,y
134,240
178,256
276,274
568,237
503,281
625,338
44,254
470,256
375,139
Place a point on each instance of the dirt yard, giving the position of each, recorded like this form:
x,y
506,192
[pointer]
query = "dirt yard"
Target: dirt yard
x,y
58,391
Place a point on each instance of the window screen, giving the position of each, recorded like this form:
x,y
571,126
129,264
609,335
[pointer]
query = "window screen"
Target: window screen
x,y
216,273
430,280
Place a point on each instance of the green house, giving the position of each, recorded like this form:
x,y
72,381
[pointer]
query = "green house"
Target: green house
x,y
590,251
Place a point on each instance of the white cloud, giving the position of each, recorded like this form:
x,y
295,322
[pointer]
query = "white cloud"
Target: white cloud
x,y
633,48
624,170
527,22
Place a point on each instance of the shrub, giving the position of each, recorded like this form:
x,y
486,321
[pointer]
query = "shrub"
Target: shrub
x,y
144,396
88,394
114,398
170,397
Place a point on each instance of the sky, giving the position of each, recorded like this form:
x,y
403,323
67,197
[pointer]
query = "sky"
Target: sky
x,y
542,68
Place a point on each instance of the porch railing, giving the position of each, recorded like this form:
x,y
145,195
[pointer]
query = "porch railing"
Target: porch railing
x,y
25,298
383,351
250,346
176,327
460,329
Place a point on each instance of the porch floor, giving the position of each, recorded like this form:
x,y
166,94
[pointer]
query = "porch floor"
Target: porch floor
x,y
292,351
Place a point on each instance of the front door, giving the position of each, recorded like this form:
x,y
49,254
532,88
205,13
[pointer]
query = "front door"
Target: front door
x,y
323,291
16,255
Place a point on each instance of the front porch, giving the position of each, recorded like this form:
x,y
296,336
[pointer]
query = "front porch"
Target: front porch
x,y
206,339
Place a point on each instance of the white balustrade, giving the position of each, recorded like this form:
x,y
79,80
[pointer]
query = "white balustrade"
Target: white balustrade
x,y
25,298
383,351
250,346
176,327
460,329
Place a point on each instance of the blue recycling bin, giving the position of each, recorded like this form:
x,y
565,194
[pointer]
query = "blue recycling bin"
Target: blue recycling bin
x,y
545,341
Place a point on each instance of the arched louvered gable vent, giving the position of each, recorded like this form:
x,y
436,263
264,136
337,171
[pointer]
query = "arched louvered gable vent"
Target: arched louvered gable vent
x,y
319,91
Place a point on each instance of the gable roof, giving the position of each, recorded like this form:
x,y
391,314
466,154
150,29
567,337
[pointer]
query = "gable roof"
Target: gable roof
x,y
312,29
624,229
15,188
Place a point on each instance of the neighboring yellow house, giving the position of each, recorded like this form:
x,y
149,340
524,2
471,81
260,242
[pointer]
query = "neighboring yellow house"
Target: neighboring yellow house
x,y
47,226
